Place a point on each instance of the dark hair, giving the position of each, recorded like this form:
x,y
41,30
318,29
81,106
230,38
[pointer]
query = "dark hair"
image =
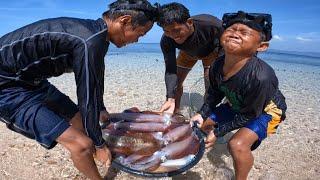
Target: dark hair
x,y
263,37
173,13
140,10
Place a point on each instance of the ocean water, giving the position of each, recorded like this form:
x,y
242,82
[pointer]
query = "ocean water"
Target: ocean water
x,y
294,64
270,56
298,73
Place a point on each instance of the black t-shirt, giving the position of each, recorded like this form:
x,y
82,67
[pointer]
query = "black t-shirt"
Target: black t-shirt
x,y
203,41
249,91
51,47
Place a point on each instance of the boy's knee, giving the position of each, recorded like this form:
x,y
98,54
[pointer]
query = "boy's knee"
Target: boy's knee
x,y
237,146
82,145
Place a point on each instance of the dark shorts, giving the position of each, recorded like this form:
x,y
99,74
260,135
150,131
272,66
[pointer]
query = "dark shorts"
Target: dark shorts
x,y
41,113
187,62
263,125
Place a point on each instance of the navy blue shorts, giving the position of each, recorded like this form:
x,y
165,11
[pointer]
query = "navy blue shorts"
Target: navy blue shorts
x,y
41,113
259,125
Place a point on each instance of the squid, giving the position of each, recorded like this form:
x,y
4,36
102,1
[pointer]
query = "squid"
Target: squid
x,y
126,143
149,141
140,117
174,135
175,150
176,163
141,144
143,127
145,116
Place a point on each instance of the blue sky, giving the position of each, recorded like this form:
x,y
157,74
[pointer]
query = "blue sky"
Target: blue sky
x,y
296,23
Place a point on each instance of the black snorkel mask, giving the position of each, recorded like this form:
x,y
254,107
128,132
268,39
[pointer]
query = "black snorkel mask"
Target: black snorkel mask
x,y
257,21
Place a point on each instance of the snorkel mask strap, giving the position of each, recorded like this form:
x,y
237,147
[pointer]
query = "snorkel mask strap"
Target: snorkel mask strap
x,y
258,21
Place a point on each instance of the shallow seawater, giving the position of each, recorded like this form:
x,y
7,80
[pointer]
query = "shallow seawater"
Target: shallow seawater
x,y
135,65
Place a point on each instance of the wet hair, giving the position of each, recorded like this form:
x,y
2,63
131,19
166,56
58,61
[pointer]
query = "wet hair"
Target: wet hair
x,y
141,11
263,37
172,13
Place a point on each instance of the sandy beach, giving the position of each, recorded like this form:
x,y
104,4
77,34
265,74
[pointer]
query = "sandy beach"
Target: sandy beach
x,y
137,79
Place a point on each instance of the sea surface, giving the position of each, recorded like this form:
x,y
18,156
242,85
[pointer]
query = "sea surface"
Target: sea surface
x,y
288,65
298,72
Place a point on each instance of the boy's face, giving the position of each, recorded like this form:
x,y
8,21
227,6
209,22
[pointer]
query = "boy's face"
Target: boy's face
x,y
240,39
125,33
179,32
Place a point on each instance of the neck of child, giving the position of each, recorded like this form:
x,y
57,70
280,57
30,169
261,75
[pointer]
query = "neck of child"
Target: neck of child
x,y
233,63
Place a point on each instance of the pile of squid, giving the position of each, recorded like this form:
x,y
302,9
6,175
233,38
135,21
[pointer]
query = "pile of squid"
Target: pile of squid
x,y
150,142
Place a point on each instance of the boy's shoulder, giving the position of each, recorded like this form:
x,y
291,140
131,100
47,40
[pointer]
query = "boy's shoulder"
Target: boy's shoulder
x,y
218,62
256,68
205,17
206,20
261,70
217,66
76,26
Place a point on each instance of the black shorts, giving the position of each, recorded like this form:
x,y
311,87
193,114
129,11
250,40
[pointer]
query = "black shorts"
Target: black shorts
x,y
41,113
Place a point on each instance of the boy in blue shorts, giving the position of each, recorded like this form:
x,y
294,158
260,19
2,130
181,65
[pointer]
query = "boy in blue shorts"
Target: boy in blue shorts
x,y
243,92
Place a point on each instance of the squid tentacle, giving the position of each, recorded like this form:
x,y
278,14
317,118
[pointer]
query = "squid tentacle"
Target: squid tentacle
x,y
172,151
140,117
177,134
141,127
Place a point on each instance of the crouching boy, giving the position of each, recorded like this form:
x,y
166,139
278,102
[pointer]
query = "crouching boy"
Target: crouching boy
x,y
254,103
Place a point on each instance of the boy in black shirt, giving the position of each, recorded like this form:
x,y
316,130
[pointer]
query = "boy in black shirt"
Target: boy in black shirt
x,y
254,103
196,37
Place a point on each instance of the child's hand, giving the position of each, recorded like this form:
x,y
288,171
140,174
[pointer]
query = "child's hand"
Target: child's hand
x,y
196,119
168,106
104,156
210,140
104,116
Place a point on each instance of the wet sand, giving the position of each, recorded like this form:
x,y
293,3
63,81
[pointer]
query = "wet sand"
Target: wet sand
x,y
292,153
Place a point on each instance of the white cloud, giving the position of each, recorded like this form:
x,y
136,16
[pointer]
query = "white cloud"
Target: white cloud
x,y
277,37
303,39
309,36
